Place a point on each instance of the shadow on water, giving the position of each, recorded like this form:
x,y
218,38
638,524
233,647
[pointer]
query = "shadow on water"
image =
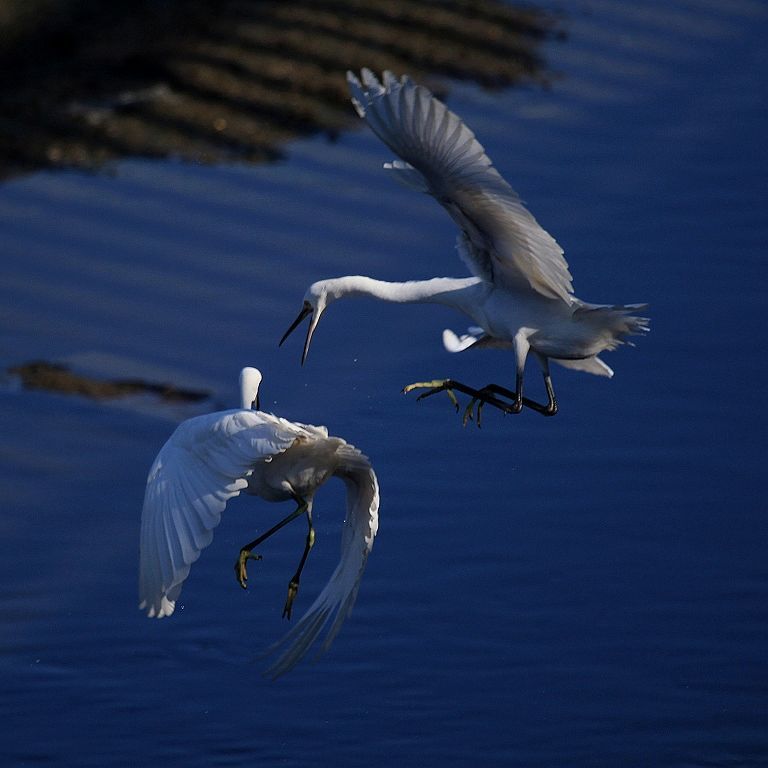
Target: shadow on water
x,y
59,378
83,83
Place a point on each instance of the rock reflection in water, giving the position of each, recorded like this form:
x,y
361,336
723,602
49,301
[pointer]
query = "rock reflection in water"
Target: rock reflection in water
x,y
54,377
83,83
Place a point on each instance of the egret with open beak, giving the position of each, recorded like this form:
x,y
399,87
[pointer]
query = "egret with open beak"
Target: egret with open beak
x,y
520,293
315,302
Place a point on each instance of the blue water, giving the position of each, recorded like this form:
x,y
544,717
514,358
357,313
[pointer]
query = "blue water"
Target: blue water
x,y
589,590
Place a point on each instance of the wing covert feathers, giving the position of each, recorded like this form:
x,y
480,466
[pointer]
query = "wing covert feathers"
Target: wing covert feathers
x,y
204,463
500,240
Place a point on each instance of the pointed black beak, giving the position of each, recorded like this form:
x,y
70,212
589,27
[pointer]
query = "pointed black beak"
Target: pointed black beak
x,y
306,310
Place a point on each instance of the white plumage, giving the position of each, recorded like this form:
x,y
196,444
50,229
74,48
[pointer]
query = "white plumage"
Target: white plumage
x,y
521,294
212,458
501,242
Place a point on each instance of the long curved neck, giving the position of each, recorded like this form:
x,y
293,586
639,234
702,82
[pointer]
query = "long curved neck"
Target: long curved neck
x,y
250,378
451,291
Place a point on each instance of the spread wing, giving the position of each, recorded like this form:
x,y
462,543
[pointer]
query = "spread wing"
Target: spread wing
x,y
204,463
338,596
500,241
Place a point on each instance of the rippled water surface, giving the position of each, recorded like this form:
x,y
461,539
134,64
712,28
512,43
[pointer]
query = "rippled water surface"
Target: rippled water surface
x,y
588,590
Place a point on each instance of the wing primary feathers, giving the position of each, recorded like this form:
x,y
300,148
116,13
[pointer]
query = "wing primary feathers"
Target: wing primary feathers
x,y
505,243
339,594
201,467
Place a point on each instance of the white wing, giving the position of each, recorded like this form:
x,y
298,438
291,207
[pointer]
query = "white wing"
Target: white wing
x,y
501,241
339,594
204,464
588,365
474,338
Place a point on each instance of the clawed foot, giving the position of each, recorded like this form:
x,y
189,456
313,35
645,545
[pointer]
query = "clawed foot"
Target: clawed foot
x,y
433,387
479,398
293,590
240,566
470,410
242,577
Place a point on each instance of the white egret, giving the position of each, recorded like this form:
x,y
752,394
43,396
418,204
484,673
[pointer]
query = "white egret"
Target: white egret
x,y
210,459
520,295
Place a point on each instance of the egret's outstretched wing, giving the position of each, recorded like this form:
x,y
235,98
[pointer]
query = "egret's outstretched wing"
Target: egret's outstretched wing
x,y
500,241
339,594
205,462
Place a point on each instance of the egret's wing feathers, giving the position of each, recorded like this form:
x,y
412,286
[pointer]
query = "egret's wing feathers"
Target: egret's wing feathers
x,y
500,240
588,365
339,594
319,433
474,338
204,463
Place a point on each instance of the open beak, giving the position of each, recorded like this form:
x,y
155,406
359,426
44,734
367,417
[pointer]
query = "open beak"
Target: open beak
x,y
306,310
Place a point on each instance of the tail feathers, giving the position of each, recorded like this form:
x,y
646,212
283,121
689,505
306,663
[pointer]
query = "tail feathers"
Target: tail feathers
x,y
592,365
618,320
333,604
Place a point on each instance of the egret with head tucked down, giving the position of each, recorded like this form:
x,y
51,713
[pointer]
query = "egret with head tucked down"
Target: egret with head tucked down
x,y
520,295
209,460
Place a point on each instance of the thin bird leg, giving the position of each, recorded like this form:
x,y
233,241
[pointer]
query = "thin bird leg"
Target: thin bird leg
x,y
522,348
551,407
246,554
489,388
545,410
293,585
484,395
448,385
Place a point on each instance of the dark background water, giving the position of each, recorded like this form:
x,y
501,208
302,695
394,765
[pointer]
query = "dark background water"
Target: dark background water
x,y
588,590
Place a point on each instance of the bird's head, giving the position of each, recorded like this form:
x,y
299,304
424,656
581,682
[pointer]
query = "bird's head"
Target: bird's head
x,y
250,378
316,299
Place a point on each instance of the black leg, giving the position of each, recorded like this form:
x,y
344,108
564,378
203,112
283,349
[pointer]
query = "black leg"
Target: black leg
x,y
483,396
293,585
545,410
551,409
246,554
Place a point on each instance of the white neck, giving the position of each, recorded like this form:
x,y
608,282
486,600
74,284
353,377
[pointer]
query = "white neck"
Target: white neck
x,y
451,291
250,378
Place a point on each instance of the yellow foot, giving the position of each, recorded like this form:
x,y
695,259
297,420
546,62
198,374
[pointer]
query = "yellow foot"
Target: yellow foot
x,y
293,590
433,387
447,386
468,412
240,570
